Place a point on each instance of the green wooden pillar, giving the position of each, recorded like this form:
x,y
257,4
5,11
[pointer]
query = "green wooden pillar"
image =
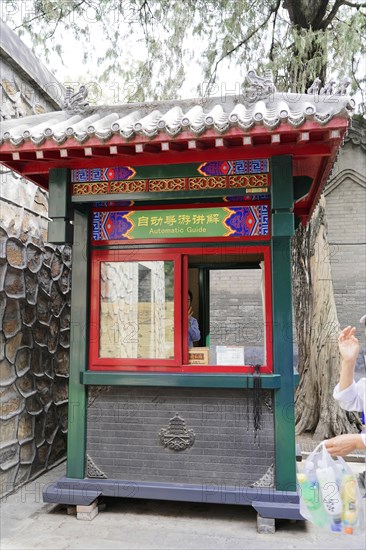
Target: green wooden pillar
x,y
282,231
61,230
60,208
78,349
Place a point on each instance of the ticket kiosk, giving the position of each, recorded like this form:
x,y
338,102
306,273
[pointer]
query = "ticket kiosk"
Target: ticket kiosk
x,y
158,200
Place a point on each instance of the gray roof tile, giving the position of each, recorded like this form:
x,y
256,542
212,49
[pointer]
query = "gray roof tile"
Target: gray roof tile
x,y
171,118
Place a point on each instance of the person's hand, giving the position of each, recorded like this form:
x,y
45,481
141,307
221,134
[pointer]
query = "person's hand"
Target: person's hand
x,y
348,344
342,445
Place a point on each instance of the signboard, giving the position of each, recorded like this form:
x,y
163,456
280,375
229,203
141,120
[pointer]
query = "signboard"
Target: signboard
x,y
199,356
230,355
238,221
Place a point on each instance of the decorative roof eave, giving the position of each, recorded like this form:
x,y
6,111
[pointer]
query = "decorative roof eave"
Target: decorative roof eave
x,y
305,207
72,139
307,154
262,106
309,127
150,129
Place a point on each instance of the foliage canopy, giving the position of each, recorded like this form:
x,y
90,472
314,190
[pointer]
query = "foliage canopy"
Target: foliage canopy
x,y
297,39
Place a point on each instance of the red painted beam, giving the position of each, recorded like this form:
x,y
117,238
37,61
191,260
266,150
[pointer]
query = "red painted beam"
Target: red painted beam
x,y
171,157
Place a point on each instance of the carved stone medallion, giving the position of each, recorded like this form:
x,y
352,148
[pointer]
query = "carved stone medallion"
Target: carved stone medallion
x,y
176,437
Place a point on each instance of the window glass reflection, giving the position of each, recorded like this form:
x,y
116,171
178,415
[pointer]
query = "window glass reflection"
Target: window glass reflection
x,y
137,310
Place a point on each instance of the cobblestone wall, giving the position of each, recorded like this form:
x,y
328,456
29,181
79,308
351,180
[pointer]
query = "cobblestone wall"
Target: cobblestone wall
x,y
34,291
34,335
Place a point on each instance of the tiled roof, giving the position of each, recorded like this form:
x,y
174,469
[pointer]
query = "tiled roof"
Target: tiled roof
x,y
171,118
261,123
26,64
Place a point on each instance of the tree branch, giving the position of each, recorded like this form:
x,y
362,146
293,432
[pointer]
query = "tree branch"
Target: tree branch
x,y
144,13
56,25
332,13
358,84
43,14
270,55
241,43
352,5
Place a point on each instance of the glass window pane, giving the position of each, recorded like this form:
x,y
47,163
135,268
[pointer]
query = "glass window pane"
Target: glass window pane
x,y
137,310
237,332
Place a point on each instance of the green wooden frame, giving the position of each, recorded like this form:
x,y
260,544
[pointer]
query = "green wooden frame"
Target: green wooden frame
x,y
282,381
282,231
105,378
76,444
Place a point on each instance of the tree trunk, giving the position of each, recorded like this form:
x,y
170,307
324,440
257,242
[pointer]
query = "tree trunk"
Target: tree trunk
x,y
317,330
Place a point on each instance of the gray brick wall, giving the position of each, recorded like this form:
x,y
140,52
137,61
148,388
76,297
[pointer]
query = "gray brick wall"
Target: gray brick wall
x,y
123,427
346,217
236,312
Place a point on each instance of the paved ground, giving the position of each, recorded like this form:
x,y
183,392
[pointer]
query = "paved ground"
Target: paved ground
x,y
27,523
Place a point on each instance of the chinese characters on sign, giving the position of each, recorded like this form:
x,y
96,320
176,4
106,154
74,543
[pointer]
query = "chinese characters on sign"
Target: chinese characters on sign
x,y
180,219
238,221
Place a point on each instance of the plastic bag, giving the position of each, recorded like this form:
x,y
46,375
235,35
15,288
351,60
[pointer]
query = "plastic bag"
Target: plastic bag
x,y
329,493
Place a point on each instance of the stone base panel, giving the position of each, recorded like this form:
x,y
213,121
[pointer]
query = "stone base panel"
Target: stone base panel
x,y
180,435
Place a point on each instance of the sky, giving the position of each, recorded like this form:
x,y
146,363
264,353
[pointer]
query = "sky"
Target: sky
x,y
73,69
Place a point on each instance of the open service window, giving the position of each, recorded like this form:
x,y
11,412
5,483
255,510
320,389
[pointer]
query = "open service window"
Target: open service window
x,y
204,309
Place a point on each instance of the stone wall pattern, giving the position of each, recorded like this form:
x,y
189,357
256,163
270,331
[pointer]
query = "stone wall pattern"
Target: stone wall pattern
x,y
34,336
34,310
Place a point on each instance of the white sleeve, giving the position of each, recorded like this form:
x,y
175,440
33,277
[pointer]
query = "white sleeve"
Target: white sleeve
x,y
352,398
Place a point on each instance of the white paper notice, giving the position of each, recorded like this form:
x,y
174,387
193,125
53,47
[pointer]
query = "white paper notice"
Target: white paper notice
x,y
230,355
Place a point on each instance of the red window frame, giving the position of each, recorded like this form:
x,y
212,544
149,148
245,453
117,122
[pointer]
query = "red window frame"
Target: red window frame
x,y
180,258
100,363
